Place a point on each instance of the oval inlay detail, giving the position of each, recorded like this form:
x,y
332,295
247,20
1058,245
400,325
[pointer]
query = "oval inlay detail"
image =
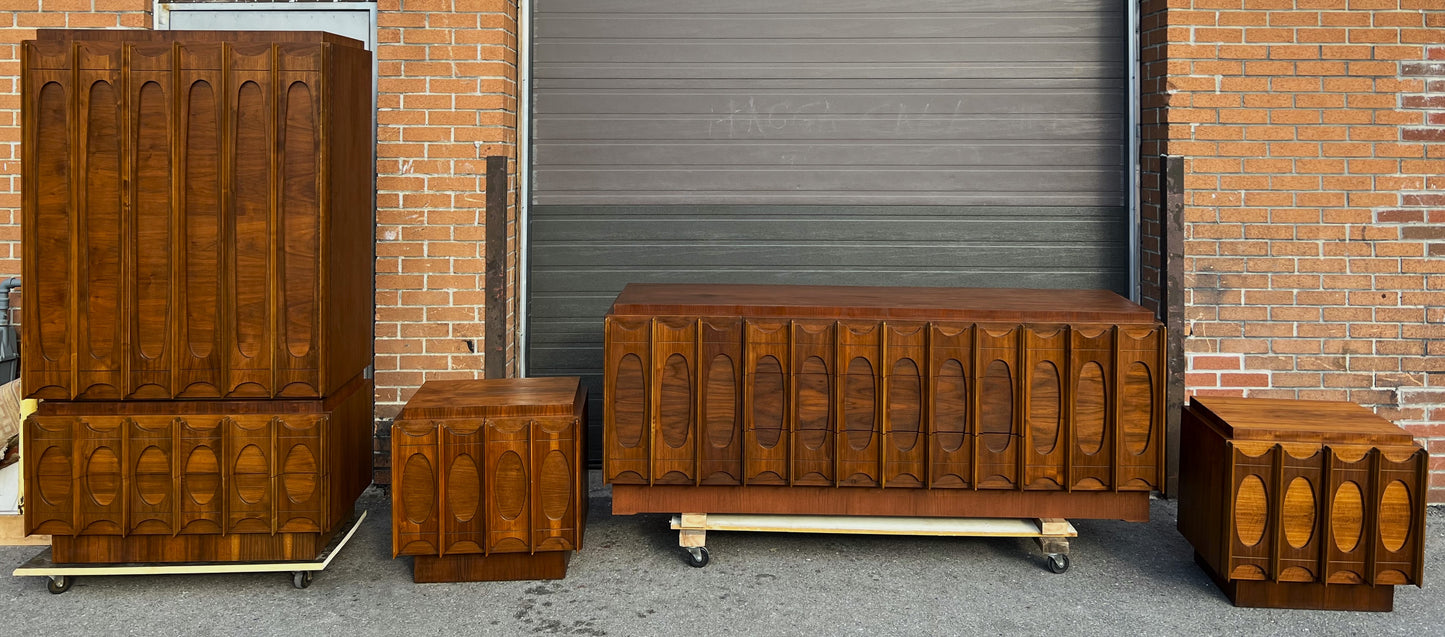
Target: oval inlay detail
x,y
299,473
509,486
950,405
102,475
1299,512
1044,407
905,404
464,488
153,475
722,399
418,485
1347,516
813,403
1136,418
629,389
1395,516
152,245
859,404
1251,510
997,405
674,403
53,476
769,401
250,475
1090,397
555,485
203,475
300,207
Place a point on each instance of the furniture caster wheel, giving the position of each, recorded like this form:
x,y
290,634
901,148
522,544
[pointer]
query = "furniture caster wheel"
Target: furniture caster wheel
x,y
302,579
1058,562
59,584
697,556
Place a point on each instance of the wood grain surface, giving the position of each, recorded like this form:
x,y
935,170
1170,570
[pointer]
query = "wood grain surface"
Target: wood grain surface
x,y
197,214
1323,507
490,468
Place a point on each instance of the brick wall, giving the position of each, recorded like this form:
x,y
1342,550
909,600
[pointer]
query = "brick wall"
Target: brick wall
x,y
446,100
1314,254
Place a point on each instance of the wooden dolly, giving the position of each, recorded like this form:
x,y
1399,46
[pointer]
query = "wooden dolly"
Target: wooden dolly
x,y
1052,533
62,576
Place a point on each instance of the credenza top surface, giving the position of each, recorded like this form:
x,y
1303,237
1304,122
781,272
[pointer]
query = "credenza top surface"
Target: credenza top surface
x,y
879,303
1309,421
495,398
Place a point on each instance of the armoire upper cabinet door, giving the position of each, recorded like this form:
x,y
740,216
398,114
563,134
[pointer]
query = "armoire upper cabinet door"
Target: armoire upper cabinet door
x,y
100,333
49,220
150,114
301,220
199,351
251,127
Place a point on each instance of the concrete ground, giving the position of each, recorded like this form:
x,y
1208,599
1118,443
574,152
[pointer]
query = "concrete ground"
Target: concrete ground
x,y
630,579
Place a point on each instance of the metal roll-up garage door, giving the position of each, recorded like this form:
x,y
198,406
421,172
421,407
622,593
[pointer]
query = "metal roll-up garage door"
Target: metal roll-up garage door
x,y
850,142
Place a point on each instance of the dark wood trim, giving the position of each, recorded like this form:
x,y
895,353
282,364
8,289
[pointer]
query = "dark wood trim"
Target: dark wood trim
x,y
495,344
1172,249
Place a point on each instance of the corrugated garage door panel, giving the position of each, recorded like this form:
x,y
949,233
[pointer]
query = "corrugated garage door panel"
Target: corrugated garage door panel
x,y
821,102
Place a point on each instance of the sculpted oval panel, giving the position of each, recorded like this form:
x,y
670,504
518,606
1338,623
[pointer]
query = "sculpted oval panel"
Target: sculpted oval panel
x,y
722,398
250,475
813,403
1090,397
997,404
905,404
102,475
555,485
203,475
151,276
509,486
301,231
53,476
152,475
950,405
102,222
250,205
1136,418
418,489
629,404
859,400
1044,407
1395,516
299,473
674,402
464,488
769,400
1299,512
1347,516
202,221
51,187
1251,510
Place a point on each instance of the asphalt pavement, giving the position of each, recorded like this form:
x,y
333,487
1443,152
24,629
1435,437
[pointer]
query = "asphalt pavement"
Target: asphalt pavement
x,y
630,579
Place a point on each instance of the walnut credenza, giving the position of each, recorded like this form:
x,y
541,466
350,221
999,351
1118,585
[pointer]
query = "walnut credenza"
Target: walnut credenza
x,y
882,401
1302,504
197,258
489,479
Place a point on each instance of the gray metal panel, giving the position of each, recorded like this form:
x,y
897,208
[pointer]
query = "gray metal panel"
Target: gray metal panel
x,y
1005,102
